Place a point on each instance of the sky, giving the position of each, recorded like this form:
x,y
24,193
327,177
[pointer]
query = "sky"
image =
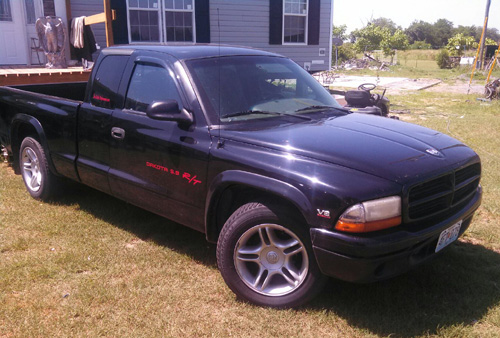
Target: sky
x,y
356,13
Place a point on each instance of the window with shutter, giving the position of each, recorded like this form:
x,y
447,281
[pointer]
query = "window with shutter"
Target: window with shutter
x,y
294,22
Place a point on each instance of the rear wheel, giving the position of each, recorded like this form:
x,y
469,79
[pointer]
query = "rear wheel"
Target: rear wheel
x,y
38,179
265,257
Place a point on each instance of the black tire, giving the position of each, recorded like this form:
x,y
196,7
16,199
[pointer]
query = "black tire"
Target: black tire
x,y
266,258
37,177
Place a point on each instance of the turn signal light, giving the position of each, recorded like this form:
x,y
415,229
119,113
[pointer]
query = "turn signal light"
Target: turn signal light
x,y
371,215
368,226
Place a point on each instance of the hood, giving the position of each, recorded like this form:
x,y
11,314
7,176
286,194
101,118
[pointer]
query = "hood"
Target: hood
x,y
395,150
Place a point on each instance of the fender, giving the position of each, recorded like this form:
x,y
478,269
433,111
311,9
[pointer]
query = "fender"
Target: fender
x,y
17,121
272,185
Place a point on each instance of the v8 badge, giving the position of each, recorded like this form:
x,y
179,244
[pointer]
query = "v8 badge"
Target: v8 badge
x,y
323,213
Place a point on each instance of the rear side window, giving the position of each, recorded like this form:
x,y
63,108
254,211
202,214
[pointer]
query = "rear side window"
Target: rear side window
x,y
107,81
150,83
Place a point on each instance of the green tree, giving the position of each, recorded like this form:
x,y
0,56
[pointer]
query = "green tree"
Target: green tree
x,y
340,32
392,42
373,37
420,31
385,23
493,34
443,30
469,31
436,34
476,31
369,37
458,43
490,42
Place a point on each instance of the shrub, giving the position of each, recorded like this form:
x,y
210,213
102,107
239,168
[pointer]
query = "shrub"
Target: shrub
x,y
346,52
443,59
420,45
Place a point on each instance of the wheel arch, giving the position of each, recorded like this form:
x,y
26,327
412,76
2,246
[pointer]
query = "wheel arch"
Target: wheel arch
x,y
23,126
233,188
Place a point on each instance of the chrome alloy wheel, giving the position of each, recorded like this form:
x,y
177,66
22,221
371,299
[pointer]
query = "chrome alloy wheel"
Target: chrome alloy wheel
x,y
271,260
31,169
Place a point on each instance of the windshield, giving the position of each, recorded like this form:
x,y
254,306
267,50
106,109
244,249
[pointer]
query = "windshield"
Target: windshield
x,y
257,87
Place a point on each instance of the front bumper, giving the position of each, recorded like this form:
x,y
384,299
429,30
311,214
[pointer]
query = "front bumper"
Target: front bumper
x,y
368,259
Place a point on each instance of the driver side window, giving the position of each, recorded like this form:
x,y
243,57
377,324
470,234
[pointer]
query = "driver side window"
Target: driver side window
x,y
150,83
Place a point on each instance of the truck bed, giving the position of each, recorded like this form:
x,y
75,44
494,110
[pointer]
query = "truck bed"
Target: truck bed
x,y
71,91
51,108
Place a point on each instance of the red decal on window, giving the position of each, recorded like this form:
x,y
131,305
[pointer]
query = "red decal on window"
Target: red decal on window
x,y
100,98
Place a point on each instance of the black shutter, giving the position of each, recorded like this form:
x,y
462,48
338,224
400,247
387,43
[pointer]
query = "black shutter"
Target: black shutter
x,y
275,22
202,20
120,27
313,25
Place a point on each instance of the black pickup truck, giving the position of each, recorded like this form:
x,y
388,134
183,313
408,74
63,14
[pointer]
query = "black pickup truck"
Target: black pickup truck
x,y
246,147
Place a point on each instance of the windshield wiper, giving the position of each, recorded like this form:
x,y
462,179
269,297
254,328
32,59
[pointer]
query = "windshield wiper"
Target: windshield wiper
x,y
264,112
320,108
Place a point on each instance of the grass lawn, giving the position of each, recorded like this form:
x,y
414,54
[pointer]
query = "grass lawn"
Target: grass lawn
x,y
90,265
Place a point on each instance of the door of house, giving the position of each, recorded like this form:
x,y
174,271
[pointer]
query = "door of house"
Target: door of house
x,y
33,10
13,44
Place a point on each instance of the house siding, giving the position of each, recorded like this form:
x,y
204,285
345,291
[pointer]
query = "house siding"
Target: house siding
x,y
247,24
243,23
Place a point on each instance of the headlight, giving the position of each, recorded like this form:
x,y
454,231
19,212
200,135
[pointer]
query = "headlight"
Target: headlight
x,y
371,216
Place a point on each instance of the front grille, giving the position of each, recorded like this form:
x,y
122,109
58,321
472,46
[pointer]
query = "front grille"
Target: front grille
x,y
444,194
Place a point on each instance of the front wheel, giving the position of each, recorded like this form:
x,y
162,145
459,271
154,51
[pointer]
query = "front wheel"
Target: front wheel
x,y
39,181
265,257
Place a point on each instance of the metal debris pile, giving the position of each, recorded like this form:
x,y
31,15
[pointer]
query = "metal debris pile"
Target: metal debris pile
x,y
492,90
367,62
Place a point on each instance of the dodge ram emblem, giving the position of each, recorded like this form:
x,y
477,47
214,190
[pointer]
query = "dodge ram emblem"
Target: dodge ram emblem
x,y
432,151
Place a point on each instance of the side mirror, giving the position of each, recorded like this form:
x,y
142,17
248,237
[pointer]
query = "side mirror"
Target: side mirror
x,y
168,111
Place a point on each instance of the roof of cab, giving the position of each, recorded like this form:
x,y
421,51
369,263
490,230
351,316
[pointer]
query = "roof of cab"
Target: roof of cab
x,y
193,51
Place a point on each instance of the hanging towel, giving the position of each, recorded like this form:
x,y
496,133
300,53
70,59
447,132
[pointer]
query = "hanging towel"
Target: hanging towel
x,y
89,45
77,27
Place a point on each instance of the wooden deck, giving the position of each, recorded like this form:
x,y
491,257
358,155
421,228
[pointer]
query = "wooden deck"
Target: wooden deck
x,y
19,75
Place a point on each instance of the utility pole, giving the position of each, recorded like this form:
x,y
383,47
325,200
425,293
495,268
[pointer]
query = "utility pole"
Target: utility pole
x,y
481,50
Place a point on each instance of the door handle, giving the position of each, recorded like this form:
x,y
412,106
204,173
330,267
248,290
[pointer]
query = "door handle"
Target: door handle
x,y
118,133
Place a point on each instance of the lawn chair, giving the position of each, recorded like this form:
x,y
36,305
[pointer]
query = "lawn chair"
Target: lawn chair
x,y
35,47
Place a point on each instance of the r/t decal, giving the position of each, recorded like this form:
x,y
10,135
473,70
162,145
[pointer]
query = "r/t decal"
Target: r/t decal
x,y
190,179
187,176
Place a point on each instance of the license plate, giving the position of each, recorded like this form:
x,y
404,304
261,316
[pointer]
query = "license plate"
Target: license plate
x,y
448,236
